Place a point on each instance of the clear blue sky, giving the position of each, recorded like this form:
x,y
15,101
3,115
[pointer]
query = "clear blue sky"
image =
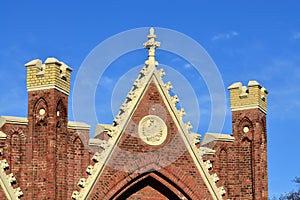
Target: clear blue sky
x,y
246,39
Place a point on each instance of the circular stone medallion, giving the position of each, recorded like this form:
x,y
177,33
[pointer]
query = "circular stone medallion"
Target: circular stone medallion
x,y
152,130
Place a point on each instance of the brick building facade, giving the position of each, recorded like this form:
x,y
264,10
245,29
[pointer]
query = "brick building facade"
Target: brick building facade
x,y
148,152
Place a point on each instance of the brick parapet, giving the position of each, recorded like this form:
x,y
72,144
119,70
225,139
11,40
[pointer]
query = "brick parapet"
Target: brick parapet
x,y
253,96
51,74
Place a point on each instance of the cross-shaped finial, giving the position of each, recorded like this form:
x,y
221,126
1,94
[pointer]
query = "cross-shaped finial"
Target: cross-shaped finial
x,y
151,45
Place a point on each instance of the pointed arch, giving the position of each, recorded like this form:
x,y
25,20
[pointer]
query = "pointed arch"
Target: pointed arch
x,y
39,161
245,128
264,129
155,182
246,172
223,168
16,143
61,114
78,154
40,112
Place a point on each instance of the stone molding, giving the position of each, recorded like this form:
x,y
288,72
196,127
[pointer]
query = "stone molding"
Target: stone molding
x,y
213,137
7,181
78,125
13,120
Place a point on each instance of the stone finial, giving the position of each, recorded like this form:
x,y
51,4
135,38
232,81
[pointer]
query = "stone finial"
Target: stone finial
x,y
175,99
215,177
3,164
151,45
96,157
195,138
144,71
181,112
162,72
208,165
11,178
168,86
118,119
75,195
18,192
189,125
89,169
138,83
221,191
131,95
82,182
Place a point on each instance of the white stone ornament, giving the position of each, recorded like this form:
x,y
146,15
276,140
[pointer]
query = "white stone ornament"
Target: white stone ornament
x,y
181,112
42,111
162,72
168,86
75,195
152,130
82,182
189,126
175,99
89,169
246,129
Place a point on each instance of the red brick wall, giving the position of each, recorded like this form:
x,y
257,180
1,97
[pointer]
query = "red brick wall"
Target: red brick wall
x,y
13,151
242,165
43,155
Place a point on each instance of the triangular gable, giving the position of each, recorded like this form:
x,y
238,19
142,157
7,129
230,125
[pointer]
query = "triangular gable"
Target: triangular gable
x,y
149,141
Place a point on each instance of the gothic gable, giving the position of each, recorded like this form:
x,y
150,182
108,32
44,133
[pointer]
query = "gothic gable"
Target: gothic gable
x,y
149,145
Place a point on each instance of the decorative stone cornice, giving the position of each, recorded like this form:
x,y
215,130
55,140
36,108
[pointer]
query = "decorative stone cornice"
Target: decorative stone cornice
x,y
78,125
2,136
206,151
13,120
213,137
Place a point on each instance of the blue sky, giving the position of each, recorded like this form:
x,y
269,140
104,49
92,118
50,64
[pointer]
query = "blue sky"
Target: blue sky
x,y
246,39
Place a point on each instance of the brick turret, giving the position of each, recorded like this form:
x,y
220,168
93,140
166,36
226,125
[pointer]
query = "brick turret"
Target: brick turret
x,y
48,88
249,109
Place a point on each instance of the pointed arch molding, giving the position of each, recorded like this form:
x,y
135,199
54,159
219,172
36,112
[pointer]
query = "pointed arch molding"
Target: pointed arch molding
x,y
61,114
40,118
245,122
154,179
